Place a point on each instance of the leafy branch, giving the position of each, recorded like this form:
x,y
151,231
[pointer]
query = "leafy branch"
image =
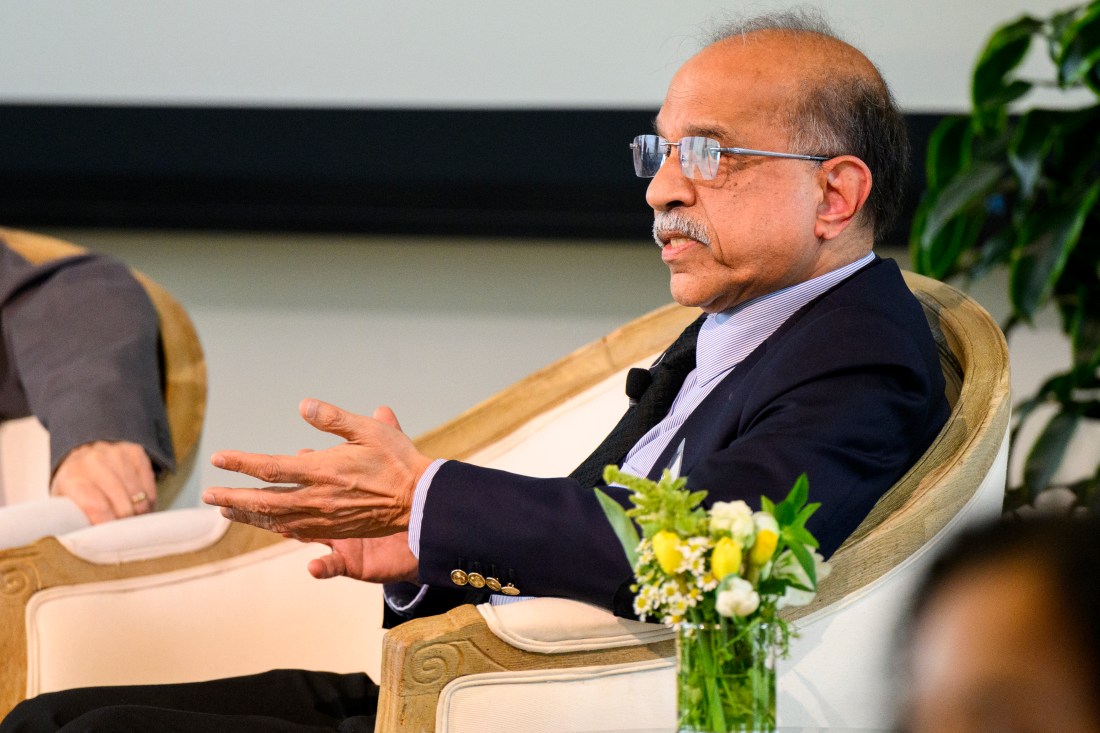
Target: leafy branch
x,y
1019,188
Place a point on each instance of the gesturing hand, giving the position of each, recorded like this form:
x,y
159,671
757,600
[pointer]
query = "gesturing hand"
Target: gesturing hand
x,y
361,488
107,480
376,560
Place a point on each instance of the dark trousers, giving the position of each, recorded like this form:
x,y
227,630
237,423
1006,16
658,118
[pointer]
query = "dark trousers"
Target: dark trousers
x,y
281,701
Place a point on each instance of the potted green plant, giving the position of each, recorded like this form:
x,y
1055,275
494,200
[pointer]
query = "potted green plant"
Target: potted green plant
x,y
1017,186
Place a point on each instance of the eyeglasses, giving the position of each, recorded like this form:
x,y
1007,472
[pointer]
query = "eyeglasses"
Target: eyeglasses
x,y
699,156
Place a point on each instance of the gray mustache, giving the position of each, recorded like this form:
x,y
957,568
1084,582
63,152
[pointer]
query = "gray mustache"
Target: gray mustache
x,y
665,223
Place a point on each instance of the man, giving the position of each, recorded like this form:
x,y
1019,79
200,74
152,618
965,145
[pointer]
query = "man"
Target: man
x,y
1004,631
812,357
79,353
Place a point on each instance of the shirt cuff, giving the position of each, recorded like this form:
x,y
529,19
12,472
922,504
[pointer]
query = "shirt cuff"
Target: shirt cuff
x,y
399,602
420,496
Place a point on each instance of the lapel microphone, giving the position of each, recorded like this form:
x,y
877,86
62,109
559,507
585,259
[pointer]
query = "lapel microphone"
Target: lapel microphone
x,y
637,382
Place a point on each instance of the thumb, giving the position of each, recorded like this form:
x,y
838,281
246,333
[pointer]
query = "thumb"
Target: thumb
x,y
330,418
327,566
386,416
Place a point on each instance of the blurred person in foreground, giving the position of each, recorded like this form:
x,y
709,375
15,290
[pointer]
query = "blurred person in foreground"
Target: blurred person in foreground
x,y
80,353
810,355
1004,633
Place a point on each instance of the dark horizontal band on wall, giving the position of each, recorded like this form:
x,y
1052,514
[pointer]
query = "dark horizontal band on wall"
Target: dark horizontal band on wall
x,y
542,173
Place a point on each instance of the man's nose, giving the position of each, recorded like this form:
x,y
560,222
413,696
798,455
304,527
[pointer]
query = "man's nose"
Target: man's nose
x,y
670,188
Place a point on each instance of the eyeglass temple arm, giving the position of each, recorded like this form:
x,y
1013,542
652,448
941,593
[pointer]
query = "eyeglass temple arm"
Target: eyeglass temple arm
x,y
769,154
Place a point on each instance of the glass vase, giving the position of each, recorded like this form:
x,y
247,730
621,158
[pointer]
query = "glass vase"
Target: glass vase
x,y
725,676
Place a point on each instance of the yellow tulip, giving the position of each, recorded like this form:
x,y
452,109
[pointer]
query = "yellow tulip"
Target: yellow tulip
x,y
666,547
725,558
764,547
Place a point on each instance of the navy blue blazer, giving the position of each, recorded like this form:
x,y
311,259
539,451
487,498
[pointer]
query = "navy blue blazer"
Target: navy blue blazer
x,y
848,390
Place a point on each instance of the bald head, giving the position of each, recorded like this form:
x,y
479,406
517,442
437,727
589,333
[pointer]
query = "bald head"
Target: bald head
x,y
828,96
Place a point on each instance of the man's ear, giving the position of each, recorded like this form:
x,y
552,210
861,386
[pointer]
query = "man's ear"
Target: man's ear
x,y
845,185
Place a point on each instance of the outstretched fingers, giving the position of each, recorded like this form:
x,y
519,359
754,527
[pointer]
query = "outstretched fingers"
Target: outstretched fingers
x,y
274,499
386,416
272,469
332,419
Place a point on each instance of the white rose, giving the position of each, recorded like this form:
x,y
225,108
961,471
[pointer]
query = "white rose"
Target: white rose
x,y
788,567
764,520
734,517
738,599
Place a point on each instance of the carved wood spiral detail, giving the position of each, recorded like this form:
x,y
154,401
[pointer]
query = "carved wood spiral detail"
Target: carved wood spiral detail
x,y
17,579
434,663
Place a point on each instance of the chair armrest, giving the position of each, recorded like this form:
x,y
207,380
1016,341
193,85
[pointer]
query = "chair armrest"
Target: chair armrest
x,y
420,657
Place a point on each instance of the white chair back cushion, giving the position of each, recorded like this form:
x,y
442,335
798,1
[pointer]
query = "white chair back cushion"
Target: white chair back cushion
x,y
556,441
842,668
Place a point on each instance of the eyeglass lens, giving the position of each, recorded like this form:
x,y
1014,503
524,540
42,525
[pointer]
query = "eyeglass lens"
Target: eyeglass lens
x,y
699,156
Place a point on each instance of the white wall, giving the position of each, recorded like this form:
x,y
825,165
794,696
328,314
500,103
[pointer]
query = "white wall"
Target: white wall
x,y
488,53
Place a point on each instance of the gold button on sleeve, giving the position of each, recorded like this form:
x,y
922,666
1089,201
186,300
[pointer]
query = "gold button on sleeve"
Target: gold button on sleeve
x,y
459,577
510,590
492,584
477,580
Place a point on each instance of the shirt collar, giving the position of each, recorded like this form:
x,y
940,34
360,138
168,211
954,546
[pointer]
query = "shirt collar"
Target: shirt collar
x,y
726,338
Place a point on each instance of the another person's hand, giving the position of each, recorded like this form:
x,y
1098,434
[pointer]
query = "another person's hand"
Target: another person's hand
x,y
376,559
107,480
361,488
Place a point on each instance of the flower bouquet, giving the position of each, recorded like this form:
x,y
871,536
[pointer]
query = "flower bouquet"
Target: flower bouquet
x,y
720,577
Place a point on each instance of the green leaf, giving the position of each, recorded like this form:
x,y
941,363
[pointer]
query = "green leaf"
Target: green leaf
x,y
806,513
799,493
800,534
1051,236
948,151
1075,155
772,586
1046,454
621,524
784,514
1058,23
1035,133
1079,42
991,89
1086,341
966,190
806,560
995,250
940,256
1092,79
1081,312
